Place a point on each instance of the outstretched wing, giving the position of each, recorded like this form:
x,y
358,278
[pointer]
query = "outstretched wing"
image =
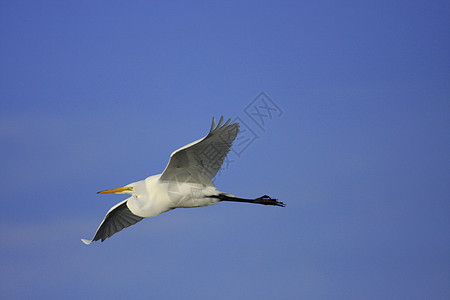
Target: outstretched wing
x,y
200,161
117,218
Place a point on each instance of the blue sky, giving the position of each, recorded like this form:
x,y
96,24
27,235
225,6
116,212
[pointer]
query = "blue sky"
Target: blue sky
x,y
95,95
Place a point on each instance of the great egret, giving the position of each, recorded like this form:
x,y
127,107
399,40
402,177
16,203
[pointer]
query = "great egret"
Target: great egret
x,y
186,182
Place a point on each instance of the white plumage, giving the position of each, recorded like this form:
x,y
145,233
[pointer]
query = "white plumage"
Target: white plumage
x,y
186,182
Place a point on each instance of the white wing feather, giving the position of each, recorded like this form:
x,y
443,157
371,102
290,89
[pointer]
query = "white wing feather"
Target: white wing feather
x,y
200,161
117,218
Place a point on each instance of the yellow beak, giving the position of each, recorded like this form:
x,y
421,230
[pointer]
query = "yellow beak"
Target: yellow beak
x,y
119,190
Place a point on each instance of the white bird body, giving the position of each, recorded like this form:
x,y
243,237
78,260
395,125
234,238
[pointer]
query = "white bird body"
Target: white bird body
x,y
186,182
145,204
167,195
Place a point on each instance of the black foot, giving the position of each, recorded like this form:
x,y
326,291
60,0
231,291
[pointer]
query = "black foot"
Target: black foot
x,y
266,200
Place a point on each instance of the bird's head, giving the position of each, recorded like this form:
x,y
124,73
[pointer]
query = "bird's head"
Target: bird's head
x,y
128,189
135,188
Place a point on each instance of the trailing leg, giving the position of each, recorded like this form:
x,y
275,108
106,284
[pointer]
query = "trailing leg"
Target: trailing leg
x,y
265,200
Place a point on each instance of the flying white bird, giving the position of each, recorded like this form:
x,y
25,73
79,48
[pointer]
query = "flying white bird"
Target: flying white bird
x,y
186,182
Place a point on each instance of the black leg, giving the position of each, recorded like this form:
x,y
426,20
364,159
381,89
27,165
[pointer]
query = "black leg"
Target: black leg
x,y
265,200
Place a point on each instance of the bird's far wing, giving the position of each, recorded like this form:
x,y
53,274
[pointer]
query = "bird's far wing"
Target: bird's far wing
x,y
200,161
117,218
